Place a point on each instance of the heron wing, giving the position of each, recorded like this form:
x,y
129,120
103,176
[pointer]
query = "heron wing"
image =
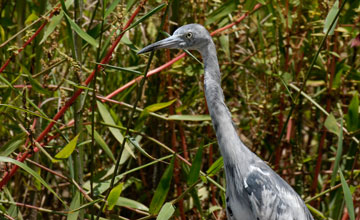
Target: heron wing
x,y
271,197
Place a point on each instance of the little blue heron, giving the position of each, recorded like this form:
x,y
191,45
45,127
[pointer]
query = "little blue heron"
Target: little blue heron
x,y
253,190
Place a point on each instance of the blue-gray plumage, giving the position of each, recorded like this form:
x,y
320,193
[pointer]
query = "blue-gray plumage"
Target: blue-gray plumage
x,y
253,190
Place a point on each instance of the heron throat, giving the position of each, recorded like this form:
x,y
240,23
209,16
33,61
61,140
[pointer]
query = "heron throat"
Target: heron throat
x,y
231,147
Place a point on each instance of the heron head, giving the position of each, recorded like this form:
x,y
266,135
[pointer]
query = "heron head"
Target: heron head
x,y
190,37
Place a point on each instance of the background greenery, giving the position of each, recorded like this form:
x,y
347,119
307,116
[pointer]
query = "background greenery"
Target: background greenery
x,y
311,139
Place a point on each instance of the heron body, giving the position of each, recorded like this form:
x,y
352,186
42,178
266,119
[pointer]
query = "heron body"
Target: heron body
x,y
253,190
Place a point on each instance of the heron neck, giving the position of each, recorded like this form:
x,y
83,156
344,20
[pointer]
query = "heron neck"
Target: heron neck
x,y
231,147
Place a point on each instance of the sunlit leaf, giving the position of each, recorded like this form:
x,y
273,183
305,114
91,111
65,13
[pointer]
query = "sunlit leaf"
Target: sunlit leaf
x,y
189,117
330,18
67,150
114,195
331,125
158,106
215,167
166,211
125,202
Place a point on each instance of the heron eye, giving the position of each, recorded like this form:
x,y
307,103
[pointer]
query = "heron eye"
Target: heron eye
x,y
189,35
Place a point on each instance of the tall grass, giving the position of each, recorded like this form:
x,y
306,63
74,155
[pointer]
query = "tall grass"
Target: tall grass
x,y
91,142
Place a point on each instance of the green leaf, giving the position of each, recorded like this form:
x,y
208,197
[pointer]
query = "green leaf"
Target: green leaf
x,y
158,8
195,167
158,106
34,83
129,70
221,11
32,17
137,146
348,197
353,114
33,173
12,145
109,120
125,202
338,156
67,150
27,111
215,167
101,142
75,204
224,42
55,21
162,190
261,2
166,211
114,195
330,17
111,8
189,118
249,5
80,32
331,125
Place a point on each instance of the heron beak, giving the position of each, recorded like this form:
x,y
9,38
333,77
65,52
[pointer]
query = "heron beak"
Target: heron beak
x,y
170,43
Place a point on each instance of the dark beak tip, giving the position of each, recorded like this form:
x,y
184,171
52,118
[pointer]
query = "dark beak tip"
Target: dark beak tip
x,y
144,50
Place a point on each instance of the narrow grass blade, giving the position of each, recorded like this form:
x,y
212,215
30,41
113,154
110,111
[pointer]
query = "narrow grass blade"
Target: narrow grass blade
x,y
348,197
121,68
158,8
101,142
81,33
195,168
162,189
34,174
330,17
27,111
12,145
352,117
189,118
338,156
105,114
55,21
215,167
137,146
111,8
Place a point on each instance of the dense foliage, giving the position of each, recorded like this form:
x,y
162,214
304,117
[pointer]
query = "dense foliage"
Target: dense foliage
x,y
95,148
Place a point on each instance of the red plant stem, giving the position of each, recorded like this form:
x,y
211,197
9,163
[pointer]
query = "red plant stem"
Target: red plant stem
x,y
69,102
57,8
166,65
183,142
150,73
